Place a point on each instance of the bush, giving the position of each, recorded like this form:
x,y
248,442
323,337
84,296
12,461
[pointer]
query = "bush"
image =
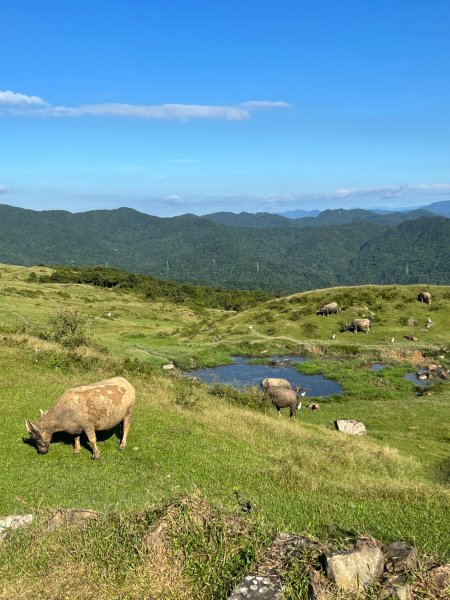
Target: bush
x,y
70,327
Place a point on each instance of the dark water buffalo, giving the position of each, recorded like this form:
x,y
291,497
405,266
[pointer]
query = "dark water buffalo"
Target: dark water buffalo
x,y
283,398
96,406
358,325
424,297
328,309
275,382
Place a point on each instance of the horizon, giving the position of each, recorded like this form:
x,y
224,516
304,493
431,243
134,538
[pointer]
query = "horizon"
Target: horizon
x,y
225,106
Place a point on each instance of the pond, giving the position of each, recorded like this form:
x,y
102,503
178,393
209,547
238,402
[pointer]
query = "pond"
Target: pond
x,y
243,373
412,377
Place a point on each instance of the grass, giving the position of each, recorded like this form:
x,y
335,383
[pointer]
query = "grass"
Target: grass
x,y
188,440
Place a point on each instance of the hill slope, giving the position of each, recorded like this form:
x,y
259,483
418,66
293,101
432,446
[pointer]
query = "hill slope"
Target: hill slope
x,y
197,250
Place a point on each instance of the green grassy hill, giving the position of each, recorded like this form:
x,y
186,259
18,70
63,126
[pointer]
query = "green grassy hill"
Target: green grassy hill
x,y
227,447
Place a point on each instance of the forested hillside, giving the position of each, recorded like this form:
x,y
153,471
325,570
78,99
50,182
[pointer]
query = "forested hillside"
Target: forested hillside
x,y
197,250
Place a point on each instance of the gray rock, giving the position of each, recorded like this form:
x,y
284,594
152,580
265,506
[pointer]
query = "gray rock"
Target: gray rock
x,y
355,569
350,426
399,557
13,522
256,586
71,516
438,581
396,587
319,587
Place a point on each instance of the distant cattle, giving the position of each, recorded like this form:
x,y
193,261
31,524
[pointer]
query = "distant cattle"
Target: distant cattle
x,y
89,408
328,309
358,325
424,297
283,398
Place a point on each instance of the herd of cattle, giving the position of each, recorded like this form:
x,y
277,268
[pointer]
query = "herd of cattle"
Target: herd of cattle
x,y
106,404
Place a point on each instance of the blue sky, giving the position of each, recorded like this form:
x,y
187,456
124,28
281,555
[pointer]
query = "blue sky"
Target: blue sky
x,y
171,106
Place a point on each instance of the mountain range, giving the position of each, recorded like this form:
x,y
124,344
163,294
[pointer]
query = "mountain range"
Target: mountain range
x,y
247,251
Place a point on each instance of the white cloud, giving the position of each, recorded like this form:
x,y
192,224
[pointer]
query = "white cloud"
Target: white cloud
x,y
143,111
3,189
20,104
174,198
252,104
16,99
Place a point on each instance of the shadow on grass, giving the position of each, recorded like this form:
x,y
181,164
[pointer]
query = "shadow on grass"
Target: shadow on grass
x,y
61,437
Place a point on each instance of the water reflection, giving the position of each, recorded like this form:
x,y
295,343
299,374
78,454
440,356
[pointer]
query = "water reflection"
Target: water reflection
x,y
243,373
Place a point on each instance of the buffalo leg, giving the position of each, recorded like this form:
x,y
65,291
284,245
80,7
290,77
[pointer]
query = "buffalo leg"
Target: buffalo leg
x,y
93,442
125,428
76,444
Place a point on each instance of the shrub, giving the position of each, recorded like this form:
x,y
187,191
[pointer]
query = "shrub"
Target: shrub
x,y
70,327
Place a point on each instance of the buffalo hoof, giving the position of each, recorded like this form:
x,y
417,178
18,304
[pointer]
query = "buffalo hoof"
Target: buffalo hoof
x,y
96,456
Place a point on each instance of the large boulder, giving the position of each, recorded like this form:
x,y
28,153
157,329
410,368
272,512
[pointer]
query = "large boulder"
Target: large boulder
x,y
350,426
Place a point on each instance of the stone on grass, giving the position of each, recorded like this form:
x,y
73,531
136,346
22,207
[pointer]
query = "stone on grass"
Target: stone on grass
x,y
255,586
71,516
13,522
168,367
438,581
399,557
355,569
350,426
396,587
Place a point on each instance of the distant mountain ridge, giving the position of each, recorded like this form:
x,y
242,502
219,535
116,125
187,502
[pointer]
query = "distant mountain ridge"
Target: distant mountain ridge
x,y
200,250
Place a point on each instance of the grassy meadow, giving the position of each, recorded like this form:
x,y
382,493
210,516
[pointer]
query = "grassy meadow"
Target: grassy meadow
x,y
188,440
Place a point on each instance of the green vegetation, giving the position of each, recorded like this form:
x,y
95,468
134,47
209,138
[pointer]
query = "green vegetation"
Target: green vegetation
x,y
218,465
335,248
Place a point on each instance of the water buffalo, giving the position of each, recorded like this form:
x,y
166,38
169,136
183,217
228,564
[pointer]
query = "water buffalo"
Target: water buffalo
x,y
283,398
96,406
275,382
358,325
424,297
328,309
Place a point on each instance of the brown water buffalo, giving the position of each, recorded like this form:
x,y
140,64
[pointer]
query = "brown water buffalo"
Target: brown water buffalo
x,y
275,382
358,325
328,309
283,398
424,297
89,408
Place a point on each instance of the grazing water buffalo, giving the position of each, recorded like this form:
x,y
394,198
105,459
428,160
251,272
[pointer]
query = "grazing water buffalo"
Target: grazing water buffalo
x,y
96,406
424,297
328,309
283,398
358,325
275,382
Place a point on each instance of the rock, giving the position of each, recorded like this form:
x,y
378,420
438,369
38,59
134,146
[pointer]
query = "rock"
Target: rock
x,y
256,586
399,557
429,324
411,338
412,322
13,522
314,406
319,587
350,426
71,516
437,581
396,587
168,367
355,569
